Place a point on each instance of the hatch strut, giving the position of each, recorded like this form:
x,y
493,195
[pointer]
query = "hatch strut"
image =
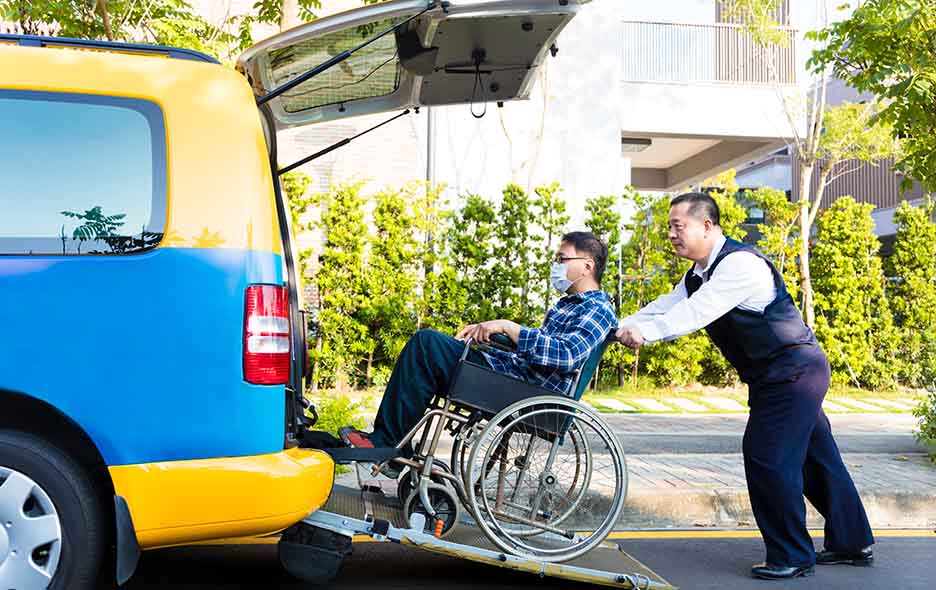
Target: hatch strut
x,y
337,59
338,144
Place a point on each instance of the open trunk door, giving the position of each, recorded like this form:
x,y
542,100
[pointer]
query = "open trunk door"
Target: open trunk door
x,y
405,53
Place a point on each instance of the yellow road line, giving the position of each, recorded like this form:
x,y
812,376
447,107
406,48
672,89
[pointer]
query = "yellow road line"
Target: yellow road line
x,y
749,534
631,535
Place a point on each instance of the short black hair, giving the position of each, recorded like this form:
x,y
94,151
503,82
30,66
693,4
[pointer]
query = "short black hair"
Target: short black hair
x,y
701,205
586,242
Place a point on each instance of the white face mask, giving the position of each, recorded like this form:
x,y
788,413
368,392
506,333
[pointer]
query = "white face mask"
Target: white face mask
x,y
558,278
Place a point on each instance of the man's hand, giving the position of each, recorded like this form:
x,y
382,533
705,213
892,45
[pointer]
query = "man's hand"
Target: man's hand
x,y
482,332
630,336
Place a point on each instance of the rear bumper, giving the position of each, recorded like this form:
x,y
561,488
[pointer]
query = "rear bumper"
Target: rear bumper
x,y
179,502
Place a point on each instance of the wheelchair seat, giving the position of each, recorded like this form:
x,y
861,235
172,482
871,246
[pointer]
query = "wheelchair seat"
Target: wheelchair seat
x,y
480,388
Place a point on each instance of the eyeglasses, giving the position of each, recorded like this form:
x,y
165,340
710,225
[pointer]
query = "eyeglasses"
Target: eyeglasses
x,y
561,259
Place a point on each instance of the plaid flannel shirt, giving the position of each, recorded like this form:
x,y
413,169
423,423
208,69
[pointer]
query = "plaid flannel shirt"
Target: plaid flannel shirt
x,y
548,356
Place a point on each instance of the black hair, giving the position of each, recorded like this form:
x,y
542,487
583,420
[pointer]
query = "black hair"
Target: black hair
x,y
701,206
586,242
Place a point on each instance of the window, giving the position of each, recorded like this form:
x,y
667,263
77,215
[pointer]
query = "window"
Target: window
x,y
371,72
80,174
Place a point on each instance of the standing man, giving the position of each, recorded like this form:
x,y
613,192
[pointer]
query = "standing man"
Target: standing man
x,y
740,299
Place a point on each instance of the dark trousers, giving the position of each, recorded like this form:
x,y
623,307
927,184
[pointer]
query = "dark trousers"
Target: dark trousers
x,y
424,369
789,451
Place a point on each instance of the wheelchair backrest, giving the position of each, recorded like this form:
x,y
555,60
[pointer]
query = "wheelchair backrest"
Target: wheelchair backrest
x,y
590,366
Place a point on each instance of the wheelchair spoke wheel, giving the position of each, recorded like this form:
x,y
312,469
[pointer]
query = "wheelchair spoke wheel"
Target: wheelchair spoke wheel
x,y
549,479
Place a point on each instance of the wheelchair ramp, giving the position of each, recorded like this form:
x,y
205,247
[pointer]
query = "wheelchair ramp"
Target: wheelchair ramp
x,y
378,514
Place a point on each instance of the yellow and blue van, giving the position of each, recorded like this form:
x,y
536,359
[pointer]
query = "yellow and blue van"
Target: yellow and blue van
x,y
152,351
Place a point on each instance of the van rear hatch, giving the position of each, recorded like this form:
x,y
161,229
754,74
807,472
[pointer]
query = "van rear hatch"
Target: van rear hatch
x,y
434,53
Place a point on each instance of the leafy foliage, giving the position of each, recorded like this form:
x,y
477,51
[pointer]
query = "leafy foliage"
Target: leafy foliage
x,y
912,292
889,48
163,22
854,324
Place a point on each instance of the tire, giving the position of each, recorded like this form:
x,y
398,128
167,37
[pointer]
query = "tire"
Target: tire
x,y
59,493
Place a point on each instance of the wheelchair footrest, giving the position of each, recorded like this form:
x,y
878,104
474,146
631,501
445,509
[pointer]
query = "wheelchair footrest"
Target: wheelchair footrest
x,y
351,455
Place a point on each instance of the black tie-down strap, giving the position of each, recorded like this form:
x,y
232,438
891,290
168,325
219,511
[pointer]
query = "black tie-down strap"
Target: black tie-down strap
x,y
341,453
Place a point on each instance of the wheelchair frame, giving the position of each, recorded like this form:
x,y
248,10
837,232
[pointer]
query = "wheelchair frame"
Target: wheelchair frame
x,y
468,423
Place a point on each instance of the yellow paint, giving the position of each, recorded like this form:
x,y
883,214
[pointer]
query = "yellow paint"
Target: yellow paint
x,y
749,534
629,535
182,502
220,184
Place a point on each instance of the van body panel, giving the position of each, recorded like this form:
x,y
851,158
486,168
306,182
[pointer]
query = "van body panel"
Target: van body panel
x,y
144,351
220,186
188,501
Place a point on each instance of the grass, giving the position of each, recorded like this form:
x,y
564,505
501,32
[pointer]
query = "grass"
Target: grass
x,y
365,402
696,394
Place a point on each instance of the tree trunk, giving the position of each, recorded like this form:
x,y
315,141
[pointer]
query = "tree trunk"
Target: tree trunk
x,y
370,364
289,15
102,9
806,172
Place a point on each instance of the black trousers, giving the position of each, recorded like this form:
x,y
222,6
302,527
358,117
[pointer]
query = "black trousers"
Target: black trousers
x,y
789,451
424,369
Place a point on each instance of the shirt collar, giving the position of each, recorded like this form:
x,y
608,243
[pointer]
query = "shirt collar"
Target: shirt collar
x,y
719,244
590,294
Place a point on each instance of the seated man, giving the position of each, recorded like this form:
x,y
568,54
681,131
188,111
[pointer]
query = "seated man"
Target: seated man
x,y
546,356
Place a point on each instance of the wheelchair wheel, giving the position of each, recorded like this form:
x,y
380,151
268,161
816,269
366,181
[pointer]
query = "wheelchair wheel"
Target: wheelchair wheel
x,y
549,479
409,480
444,503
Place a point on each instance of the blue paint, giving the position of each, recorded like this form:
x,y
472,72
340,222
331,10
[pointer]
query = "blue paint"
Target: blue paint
x,y
144,352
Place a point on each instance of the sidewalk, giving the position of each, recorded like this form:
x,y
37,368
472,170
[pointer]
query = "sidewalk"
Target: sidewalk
x,y
687,470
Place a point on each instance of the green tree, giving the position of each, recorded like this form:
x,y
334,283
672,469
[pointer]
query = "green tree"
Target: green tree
x,y
912,291
389,280
343,342
550,218
641,258
163,22
604,220
512,271
887,47
854,323
443,297
469,243
779,233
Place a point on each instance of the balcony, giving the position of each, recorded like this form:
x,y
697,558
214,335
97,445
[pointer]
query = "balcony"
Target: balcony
x,y
694,54
705,96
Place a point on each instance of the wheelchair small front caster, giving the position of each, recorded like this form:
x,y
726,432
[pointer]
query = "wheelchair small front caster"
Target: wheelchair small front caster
x,y
445,504
409,481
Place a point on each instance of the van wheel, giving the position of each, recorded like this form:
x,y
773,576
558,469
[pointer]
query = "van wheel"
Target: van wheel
x,y
51,519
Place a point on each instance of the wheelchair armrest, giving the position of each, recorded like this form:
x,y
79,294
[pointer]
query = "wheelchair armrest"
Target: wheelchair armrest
x,y
498,341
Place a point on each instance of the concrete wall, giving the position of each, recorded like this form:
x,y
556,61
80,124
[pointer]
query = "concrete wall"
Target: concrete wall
x,y
568,132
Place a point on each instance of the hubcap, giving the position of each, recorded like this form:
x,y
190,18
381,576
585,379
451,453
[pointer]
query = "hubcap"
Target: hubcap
x,y
30,533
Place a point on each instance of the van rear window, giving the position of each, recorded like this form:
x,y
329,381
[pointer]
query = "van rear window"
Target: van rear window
x,y
80,174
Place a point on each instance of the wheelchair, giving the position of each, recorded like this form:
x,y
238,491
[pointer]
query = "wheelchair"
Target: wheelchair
x,y
540,473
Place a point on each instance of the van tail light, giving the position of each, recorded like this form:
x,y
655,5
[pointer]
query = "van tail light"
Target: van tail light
x,y
266,335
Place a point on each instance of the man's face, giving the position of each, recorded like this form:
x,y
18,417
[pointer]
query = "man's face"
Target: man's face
x,y
687,233
577,265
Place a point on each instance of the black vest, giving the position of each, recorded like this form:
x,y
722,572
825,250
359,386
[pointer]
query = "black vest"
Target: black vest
x,y
762,347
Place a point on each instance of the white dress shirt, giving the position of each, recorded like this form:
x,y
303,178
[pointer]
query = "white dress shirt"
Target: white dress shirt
x,y
741,279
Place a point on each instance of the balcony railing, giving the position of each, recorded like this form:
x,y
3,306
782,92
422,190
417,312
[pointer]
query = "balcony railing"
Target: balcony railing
x,y
714,53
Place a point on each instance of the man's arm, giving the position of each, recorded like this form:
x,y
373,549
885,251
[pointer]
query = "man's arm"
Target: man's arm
x,y
660,305
734,281
567,351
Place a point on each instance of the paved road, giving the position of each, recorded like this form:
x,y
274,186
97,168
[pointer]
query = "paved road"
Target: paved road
x,y
692,564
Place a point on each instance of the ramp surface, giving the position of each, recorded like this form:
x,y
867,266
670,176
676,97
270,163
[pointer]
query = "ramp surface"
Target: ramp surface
x,y
606,565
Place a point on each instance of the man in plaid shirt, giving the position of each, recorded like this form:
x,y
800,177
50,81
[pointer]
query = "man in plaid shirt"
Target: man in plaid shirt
x,y
546,356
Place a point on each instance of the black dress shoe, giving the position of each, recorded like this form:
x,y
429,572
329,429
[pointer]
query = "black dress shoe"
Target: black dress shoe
x,y
865,557
769,571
